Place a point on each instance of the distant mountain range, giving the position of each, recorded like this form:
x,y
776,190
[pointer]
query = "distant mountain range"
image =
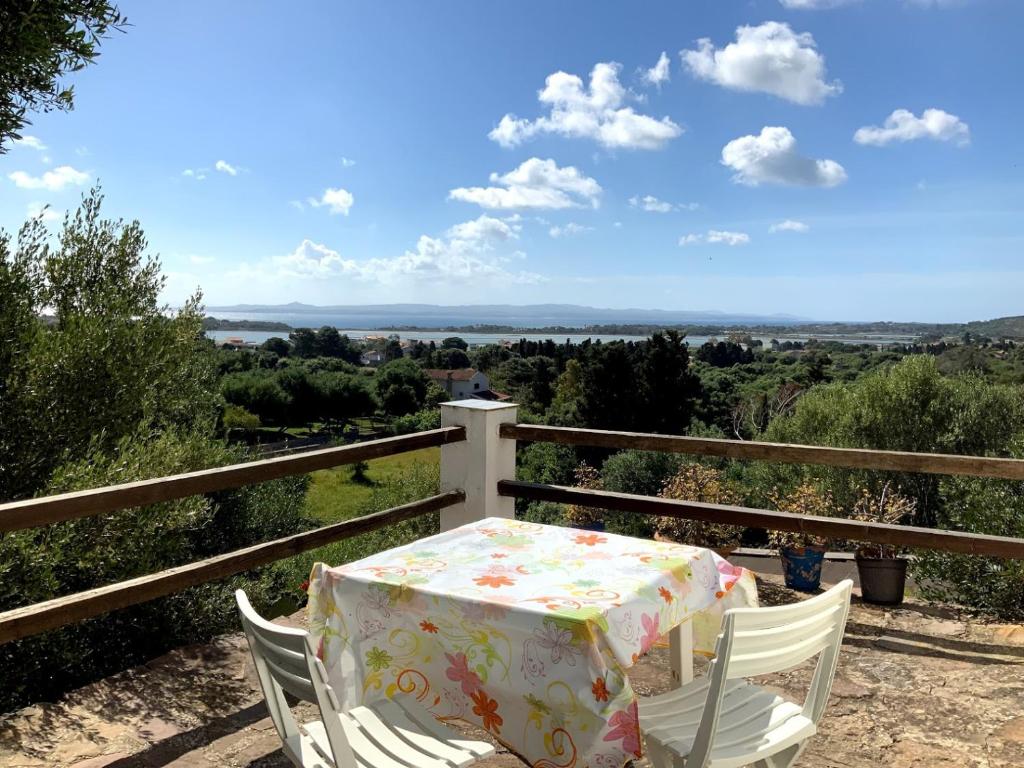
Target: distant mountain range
x,y
526,316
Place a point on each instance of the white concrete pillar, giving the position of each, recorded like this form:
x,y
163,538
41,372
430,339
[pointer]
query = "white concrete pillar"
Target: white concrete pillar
x,y
476,464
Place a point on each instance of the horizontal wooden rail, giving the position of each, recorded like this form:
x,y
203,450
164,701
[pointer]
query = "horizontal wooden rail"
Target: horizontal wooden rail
x,y
826,527
849,458
69,506
33,619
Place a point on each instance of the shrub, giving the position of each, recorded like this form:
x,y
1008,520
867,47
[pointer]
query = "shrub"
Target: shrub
x,y
72,556
804,499
578,516
986,584
697,482
236,417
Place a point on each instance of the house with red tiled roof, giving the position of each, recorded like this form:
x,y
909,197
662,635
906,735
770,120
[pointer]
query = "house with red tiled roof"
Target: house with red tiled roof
x,y
464,383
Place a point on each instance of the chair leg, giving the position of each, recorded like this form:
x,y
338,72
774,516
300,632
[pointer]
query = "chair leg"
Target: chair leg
x,y
783,759
659,756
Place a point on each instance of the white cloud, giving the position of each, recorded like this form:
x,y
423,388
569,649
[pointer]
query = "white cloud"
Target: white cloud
x,y
194,173
567,230
596,112
54,181
716,237
466,253
347,162
814,5
789,225
334,200
535,183
769,58
197,259
42,209
224,167
654,205
903,125
772,158
31,142
485,229
659,73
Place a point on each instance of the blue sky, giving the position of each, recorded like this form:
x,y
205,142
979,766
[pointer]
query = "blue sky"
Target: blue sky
x,y
341,153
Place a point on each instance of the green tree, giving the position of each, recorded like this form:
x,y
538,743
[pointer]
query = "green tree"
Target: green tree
x,y
451,358
401,387
113,358
303,342
454,342
113,388
258,393
277,345
909,406
341,397
669,390
41,41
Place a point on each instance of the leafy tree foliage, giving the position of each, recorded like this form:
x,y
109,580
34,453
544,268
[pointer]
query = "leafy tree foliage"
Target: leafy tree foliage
x,y
277,345
724,354
299,395
907,407
41,41
111,361
303,342
112,388
401,387
451,358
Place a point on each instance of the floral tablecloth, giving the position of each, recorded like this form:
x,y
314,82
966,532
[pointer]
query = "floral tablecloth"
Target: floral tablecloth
x,y
525,630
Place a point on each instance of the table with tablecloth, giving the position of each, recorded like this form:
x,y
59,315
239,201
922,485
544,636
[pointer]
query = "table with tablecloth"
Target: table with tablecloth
x,y
525,630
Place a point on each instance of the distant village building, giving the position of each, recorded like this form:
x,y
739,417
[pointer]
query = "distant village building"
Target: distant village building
x,y
464,383
236,341
371,357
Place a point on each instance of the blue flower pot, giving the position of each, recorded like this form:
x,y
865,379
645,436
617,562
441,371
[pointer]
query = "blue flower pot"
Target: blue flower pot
x,y
801,567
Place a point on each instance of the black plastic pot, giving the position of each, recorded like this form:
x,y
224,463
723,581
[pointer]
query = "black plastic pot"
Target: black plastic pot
x,y
882,579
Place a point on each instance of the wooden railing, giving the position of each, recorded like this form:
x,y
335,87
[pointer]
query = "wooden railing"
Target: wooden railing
x,y
31,513
40,617
847,458
477,471
826,527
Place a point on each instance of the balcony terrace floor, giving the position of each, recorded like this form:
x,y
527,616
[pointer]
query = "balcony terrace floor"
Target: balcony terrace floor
x,y
917,687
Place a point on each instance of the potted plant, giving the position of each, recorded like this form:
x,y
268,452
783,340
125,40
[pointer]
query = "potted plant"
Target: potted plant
x,y
696,482
882,572
586,518
802,554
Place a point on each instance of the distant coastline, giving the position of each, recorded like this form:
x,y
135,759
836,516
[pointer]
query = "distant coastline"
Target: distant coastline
x,y
559,321
218,324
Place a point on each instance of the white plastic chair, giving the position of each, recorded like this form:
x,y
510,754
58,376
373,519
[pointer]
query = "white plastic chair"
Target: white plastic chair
x,y
724,721
385,734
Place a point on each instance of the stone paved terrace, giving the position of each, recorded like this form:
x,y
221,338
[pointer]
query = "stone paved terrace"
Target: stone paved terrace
x,y
917,688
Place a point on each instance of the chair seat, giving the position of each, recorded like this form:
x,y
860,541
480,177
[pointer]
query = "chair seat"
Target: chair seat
x,y
753,723
388,735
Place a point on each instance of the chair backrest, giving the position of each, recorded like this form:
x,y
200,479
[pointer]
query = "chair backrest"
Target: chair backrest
x,y
286,662
759,641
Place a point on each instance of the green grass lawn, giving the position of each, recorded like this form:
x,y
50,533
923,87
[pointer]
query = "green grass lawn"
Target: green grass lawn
x,y
334,496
